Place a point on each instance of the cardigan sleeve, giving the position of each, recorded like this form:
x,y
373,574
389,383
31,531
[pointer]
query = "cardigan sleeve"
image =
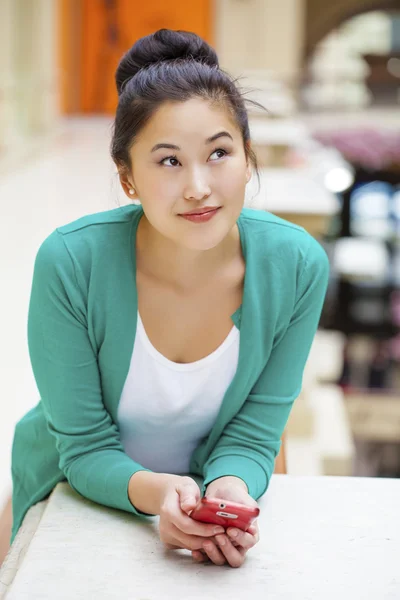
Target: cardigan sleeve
x,y
251,441
65,368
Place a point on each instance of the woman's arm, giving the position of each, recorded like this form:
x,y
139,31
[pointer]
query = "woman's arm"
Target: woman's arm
x,y
251,441
147,490
65,367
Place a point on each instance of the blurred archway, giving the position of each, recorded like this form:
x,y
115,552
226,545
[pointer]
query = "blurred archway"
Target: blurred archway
x,y
356,65
322,17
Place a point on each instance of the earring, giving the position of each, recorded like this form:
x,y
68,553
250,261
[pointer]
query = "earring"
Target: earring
x,y
131,191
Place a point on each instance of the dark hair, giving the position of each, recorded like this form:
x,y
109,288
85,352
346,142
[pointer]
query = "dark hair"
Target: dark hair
x,y
170,66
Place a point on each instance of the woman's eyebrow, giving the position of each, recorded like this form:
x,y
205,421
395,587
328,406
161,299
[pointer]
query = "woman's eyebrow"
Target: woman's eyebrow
x,y
218,135
209,140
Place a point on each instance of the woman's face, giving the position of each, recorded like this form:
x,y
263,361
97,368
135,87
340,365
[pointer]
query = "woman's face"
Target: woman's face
x,y
190,157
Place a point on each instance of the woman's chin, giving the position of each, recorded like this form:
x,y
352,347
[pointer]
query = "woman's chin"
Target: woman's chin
x,y
204,241
205,236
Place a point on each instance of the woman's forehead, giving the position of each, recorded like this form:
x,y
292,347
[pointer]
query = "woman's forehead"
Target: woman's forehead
x,y
193,118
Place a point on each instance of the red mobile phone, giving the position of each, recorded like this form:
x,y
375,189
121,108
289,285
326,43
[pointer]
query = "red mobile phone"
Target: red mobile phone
x,y
225,513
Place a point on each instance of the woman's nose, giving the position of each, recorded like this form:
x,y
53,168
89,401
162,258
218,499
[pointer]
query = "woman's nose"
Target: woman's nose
x,y
197,187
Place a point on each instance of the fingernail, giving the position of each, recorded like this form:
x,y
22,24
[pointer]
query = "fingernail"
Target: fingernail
x,y
221,540
218,530
233,533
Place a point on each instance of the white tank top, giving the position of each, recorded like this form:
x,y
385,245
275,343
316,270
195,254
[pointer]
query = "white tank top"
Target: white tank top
x,y
166,408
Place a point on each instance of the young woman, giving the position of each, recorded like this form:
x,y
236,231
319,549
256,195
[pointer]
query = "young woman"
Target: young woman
x,y
168,338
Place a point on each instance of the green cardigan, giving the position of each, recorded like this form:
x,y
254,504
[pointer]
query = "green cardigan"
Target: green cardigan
x,y
81,331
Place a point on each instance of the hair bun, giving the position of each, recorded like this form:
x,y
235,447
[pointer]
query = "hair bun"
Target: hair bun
x,y
164,44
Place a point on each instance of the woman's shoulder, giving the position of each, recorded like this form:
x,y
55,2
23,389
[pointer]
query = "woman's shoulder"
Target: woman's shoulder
x,y
265,224
85,238
270,237
264,230
121,214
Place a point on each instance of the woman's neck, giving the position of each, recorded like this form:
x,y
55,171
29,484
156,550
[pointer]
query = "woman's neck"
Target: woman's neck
x,y
164,260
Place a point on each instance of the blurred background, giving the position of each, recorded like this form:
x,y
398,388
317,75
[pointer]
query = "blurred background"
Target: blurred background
x,y
329,150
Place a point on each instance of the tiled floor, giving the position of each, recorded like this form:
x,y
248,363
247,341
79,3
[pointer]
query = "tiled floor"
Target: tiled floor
x,y
75,176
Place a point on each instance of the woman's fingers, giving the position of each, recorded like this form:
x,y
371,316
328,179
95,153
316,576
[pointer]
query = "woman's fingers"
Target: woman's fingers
x,y
235,556
189,494
170,546
199,556
238,539
253,529
242,538
183,540
221,552
173,513
192,527
213,553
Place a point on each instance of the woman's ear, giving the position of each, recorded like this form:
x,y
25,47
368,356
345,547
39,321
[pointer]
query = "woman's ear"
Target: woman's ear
x,y
127,184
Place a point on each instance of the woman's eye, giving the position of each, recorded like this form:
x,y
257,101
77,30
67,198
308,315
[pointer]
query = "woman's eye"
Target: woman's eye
x,y
220,152
174,162
171,158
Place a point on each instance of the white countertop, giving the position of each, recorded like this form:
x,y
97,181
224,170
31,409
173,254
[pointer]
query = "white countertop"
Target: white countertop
x,y
321,538
278,131
291,191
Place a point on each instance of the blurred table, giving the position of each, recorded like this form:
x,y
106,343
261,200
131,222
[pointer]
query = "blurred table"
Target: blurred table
x,y
294,195
321,537
278,131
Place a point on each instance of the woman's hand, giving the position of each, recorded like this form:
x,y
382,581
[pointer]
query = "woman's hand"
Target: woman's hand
x,y
231,547
177,529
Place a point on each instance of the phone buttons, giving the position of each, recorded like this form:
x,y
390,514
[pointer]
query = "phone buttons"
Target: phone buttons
x,y
226,515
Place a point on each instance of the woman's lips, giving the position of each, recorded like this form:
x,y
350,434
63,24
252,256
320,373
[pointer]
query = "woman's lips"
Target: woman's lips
x,y
201,217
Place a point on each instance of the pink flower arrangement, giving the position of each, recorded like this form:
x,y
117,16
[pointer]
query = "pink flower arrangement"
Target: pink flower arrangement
x,y
372,149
